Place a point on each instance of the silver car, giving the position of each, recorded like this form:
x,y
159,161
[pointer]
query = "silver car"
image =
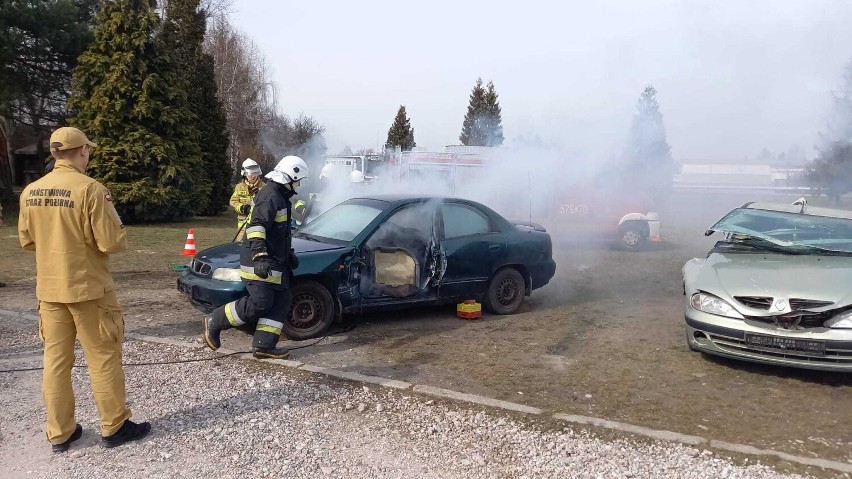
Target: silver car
x,y
776,289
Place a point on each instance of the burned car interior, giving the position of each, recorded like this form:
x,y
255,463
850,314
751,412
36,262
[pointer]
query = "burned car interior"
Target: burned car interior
x,y
395,257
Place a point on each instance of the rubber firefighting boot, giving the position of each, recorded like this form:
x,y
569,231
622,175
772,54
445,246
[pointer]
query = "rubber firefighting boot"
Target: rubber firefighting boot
x,y
214,324
272,353
264,346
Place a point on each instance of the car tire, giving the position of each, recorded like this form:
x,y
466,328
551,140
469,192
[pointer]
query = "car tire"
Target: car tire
x,y
505,292
312,311
631,237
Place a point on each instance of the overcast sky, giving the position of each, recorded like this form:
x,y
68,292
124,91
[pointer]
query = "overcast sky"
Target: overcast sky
x,y
732,76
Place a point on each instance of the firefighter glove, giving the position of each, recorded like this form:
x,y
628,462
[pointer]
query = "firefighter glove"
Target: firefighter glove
x,y
244,209
292,259
261,267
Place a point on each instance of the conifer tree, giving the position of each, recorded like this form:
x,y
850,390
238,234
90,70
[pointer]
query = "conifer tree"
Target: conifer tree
x,y
183,37
401,133
482,124
126,96
647,158
471,133
493,118
831,170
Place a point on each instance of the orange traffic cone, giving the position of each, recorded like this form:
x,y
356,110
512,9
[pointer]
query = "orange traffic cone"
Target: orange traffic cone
x,y
189,248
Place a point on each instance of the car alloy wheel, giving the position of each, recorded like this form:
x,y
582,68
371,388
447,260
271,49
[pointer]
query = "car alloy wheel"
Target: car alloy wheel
x,y
631,238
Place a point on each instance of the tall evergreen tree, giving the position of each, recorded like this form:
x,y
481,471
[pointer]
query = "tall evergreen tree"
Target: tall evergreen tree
x,y
493,118
401,133
648,163
482,124
183,37
471,133
126,95
832,168
40,41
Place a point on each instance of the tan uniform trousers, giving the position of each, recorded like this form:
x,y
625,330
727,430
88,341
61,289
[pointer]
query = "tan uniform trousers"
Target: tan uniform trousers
x,y
100,326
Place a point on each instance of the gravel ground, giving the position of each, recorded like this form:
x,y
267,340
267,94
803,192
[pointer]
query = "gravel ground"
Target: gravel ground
x,y
233,418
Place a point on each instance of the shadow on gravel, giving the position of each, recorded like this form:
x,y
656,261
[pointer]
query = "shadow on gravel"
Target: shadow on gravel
x,y
225,411
192,327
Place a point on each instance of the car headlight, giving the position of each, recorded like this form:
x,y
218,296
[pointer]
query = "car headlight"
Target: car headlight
x,y
226,274
841,321
714,305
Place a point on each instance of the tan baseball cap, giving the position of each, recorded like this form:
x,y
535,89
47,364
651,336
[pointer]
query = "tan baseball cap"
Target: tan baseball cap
x,y
67,138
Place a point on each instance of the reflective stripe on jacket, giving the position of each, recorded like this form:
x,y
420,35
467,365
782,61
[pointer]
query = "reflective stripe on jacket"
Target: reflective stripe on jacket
x,y
242,196
70,222
267,232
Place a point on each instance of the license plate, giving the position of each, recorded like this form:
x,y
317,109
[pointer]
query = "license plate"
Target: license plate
x,y
184,288
804,347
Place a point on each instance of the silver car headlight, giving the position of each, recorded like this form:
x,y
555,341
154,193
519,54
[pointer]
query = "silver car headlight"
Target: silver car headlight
x,y
841,321
708,303
226,274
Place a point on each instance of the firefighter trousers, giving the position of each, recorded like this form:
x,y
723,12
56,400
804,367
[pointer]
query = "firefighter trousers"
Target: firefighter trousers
x,y
99,325
264,309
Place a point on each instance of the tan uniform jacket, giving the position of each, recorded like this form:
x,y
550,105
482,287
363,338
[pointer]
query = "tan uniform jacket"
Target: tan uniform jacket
x,y
69,220
242,196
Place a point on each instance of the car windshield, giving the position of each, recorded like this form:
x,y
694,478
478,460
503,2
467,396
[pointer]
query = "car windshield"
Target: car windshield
x,y
342,223
781,230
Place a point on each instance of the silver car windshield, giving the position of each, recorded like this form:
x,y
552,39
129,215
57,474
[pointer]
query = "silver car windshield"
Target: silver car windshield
x,y
801,233
341,223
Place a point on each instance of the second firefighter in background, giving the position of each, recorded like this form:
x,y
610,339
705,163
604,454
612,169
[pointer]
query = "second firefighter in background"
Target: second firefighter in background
x,y
267,262
244,193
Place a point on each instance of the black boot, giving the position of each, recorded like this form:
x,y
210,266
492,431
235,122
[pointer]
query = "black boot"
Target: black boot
x,y
214,324
62,447
129,431
271,353
211,333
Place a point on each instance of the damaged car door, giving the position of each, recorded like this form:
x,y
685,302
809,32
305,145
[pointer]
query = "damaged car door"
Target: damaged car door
x,y
474,247
397,263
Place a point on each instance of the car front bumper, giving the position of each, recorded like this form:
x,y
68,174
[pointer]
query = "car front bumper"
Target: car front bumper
x,y
207,294
722,336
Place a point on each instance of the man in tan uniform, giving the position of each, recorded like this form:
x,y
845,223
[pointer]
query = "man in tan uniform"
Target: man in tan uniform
x,y
69,220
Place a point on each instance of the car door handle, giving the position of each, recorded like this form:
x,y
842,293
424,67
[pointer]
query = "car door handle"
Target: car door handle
x,y
495,247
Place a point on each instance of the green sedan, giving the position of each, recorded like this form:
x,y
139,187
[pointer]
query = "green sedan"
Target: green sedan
x,y
391,252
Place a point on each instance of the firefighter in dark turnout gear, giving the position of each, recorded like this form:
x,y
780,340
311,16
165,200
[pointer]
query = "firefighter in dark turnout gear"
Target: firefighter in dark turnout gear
x,y
266,265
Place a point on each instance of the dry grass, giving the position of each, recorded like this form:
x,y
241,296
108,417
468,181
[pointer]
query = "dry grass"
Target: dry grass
x,y
150,247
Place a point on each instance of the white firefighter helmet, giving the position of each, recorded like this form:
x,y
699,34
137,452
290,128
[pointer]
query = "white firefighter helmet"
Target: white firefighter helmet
x,y
327,171
250,167
289,169
356,177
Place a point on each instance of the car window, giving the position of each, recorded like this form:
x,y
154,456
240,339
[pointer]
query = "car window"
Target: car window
x,y
341,223
462,220
412,223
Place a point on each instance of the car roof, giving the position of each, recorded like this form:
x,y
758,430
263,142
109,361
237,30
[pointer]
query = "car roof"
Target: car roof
x,y
401,198
797,208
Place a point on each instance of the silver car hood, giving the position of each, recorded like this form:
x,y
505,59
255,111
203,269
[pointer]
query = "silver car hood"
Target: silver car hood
x,y
825,278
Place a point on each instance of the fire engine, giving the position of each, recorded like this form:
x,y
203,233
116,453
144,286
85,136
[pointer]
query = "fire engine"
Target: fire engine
x,y
571,212
590,213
